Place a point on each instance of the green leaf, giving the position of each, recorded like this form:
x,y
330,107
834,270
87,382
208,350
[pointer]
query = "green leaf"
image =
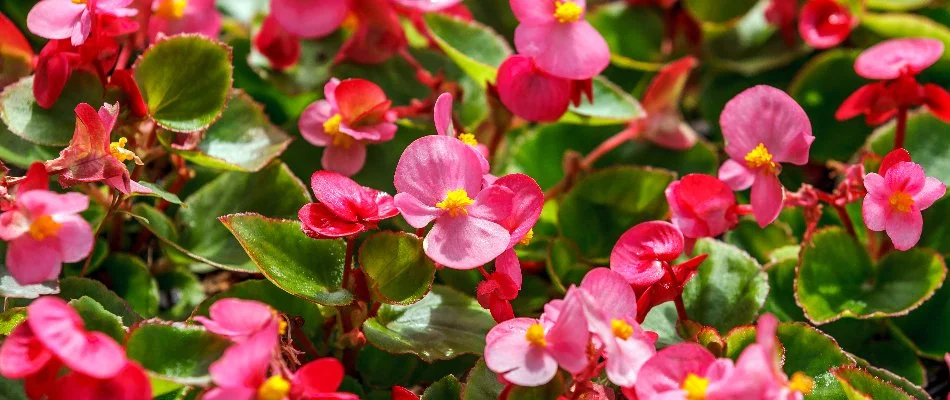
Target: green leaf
x,y
781,298
131,279
185,81
52,127
760,242
821,86
482,384
183,289
397,269
74,288
897,5
476,48
913,390
729,288
564,265
309,268
872,341
632,33
875,27
443,325
10,318
243,139
926,326
96,318
837,279
717,11
446,388
159,192
19,152
936,233
750,46
859,385
273,192
613,200
662,320
12,389
177,352
612,105
389,369
548,391
922,142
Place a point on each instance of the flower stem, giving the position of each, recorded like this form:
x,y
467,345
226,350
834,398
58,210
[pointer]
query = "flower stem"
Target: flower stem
x,y
115,203
901,128
845,220
348,261
680,307
608,145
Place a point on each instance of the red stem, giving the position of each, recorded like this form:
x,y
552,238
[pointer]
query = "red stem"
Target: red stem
x,y
845,220
680,307
901,127
607,146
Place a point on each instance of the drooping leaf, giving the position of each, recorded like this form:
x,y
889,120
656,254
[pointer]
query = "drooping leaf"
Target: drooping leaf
x,y
176,352
729,288
159,192
48,127
397,269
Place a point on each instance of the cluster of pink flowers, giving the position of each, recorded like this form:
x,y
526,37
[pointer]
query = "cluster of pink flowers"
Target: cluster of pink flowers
x,y
559,53
53,337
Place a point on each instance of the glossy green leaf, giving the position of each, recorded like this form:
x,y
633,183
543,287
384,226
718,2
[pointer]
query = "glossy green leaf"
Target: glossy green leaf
x,y
176,352
309,268
859,385
837,279
717,11
897,5
911,389
925,146
441,326
759,242
74,288
729,288
781,298
613,200
273,192
16,151
875,27
612,106
482,384
96,318
159,192
873,342
662,320
243,139
551,390
185,80
49,127
476,48
446,388
564,265
397,269
12,389
632,33
925,326
131,279
181,292
750,46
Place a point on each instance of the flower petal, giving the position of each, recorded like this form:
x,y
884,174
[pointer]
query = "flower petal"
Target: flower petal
x,y
310,18
414,212
74,236
766,115
531,93
767,198
61,330
31,261
573,51
932,191
465,242
443,115
432,166
55,19
904,228
344,160
509,354
318,222
891,58
736,175
22,354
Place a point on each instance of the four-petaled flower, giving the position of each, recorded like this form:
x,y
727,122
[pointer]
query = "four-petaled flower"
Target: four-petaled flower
x,y
345,208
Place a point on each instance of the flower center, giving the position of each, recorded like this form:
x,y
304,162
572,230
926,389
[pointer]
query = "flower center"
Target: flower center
x,y
801,383
44,227
621,329
79,1
526,240
760,158
332,128
567,11
468,139
901,201
171,9
455,202
275,388
535,335
695,387
118,150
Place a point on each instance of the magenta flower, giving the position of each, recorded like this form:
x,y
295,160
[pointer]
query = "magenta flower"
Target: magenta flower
x,y
310,19
702,206
686,371
354,113
171,17
72,19
44,229
763,128
442,114
239,320
663,124
428,5
825,23
531,93
555,34
345,208
280,47
439,178
896,196
758,373
527,351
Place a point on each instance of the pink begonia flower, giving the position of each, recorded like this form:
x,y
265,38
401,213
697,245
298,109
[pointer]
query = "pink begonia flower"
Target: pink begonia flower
x,y
280,47
131,383
663,124
686,371
561,41
72,19
896,63
44,229
345,208
825,23
355,112
611,309
240,320
91,157
442,114
310,19
440,178
171,17
527,351
531,93
428,5
896,196
763,127
758,373
702,206
378,36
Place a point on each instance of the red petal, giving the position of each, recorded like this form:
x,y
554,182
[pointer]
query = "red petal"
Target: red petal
x,y
938,101
318,222
401,393
666,89
124,81
859,102
891,159
379,35
12,39
530,93
280,47
52,72
36,179
321,376
358,99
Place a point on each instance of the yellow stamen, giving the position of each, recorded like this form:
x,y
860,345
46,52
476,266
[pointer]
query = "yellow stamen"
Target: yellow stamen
x,y
275,388
468,139
535,335
695,387
526,240
760,158
351,22
332,129
567,11
44,227
79,1
901,201
171,9
621,329
455,202
801,383
118,150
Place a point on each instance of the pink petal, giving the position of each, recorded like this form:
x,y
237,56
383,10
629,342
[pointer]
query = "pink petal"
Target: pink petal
x,y
61,330
428,5
311,122
611,292
465,242
244,365
904,228
825,23
736,175
238,319
130,384
679,137
31,261
667,370
205,22
625,360
75,237
538,11
891,58
337,192
493,203
571,51
346,161
905,177
507,264
13,224
82,29
530,93
22,354
568,339
432,166
360,102
55,19
932,191
638,252
526,207
767,198
874,212
42,202
701,206
310,19
317,377
443,115
766,115
510,355
231,393
666,89
414,212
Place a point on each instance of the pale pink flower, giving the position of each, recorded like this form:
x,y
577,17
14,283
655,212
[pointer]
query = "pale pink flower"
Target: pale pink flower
x,y
72,19
758,374
442,114
562,43
686,371
310,19
171,17
892,58
239,320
